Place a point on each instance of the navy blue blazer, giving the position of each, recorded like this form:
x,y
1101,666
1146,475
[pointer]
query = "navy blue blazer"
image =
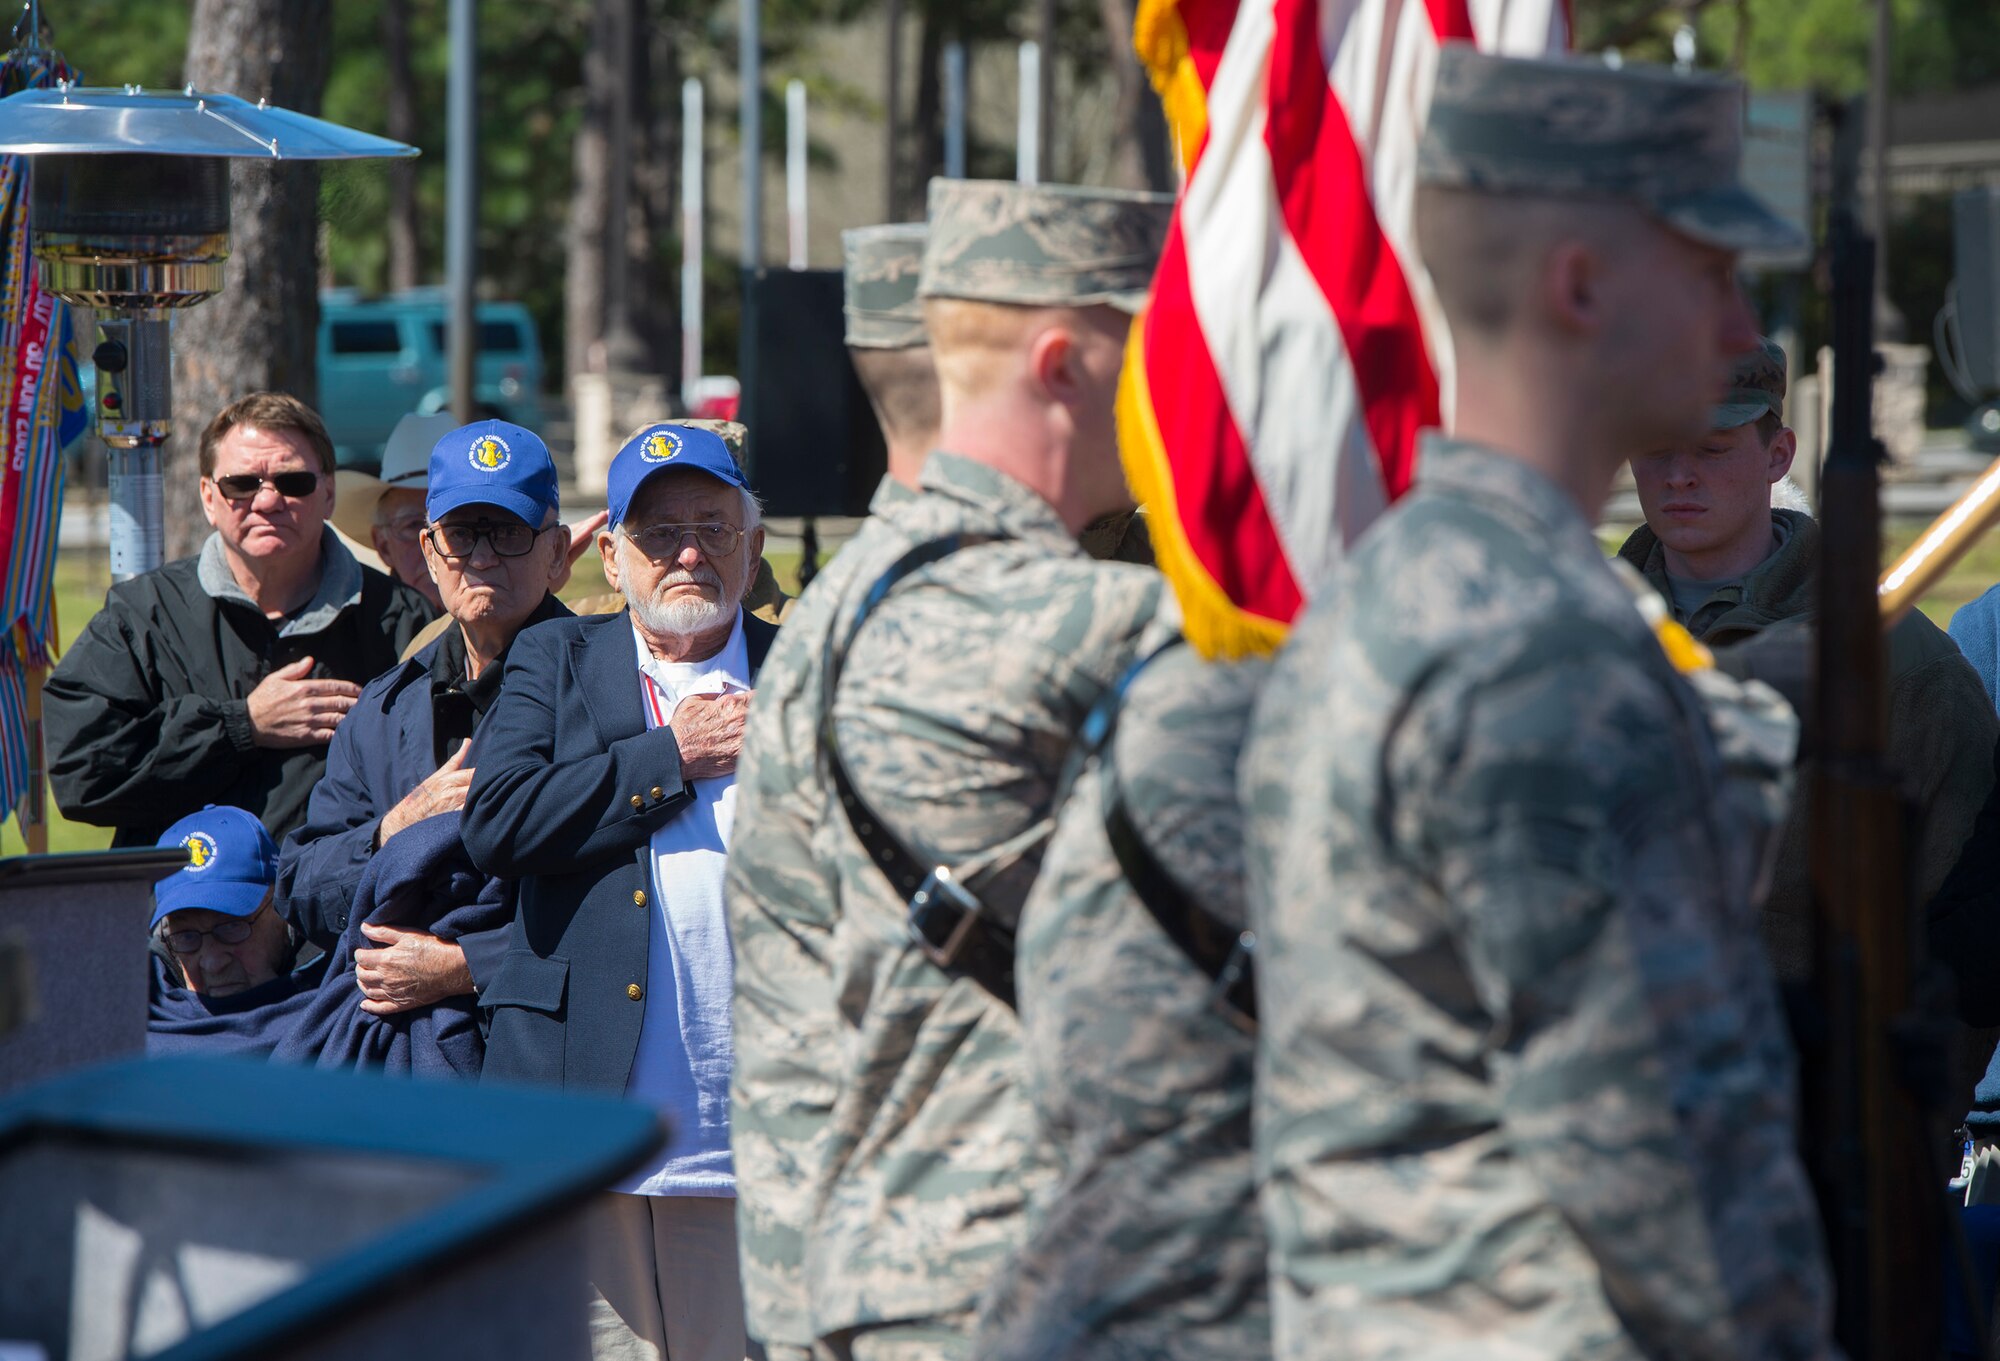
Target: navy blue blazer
x,y
568,788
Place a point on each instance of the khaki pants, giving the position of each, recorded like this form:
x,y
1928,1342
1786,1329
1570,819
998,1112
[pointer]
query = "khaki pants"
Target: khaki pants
x,y
664,1278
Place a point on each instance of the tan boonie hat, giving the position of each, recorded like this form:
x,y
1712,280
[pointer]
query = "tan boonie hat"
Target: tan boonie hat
x,y
1756,387
406,463
1575,128
1042,245
879,282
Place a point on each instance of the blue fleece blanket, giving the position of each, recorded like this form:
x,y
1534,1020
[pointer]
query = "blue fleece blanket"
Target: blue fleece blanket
x,y
248,1024
421,880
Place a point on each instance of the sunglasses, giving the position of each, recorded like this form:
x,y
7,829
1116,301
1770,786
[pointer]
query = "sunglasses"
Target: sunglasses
x,y
228,931
663,541
244,486
509,539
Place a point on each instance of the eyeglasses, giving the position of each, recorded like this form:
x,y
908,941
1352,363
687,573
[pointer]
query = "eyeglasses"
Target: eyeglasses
x,y
244,486
715,539
407,529
508,538
228,931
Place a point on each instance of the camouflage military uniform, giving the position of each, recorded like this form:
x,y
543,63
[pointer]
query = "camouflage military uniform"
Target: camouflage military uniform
x,y
1523,1085
1150,1246
782,892
878,1092
959,701
1523,1089
781,898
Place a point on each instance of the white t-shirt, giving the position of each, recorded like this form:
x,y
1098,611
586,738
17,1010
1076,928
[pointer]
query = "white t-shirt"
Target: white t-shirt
x,y
683,1062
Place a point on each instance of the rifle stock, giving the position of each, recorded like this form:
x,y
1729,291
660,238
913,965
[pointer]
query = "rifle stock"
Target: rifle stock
x,y
1866,1136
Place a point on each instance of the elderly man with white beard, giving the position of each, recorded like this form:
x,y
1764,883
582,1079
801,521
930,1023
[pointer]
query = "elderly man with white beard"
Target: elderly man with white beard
x,y
605,785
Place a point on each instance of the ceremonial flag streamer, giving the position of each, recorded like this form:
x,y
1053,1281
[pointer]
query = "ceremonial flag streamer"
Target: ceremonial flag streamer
x,y
1274,387
44,412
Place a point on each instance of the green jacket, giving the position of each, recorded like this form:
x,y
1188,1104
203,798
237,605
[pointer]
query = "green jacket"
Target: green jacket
x,y
1942,727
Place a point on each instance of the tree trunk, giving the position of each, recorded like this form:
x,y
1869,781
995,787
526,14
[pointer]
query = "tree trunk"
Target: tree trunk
x,y
927,120
583,279
1143,160
892,113
262,332
405,248
1045,94
650,160
656,193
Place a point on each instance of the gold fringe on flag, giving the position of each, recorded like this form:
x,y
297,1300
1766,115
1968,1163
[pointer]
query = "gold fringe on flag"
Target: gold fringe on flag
x,y
1162,41
1213,624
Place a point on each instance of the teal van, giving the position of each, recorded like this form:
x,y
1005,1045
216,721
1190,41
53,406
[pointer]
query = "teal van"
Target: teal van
x,y
382,358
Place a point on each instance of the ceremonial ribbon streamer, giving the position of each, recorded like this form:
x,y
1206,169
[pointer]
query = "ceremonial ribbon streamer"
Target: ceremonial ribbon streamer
x,y
43,413
1274,388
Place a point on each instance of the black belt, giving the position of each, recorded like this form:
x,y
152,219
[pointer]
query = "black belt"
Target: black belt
x,y
1222,952
947,921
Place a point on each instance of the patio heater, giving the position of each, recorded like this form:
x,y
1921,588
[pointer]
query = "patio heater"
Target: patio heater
x,y
129,214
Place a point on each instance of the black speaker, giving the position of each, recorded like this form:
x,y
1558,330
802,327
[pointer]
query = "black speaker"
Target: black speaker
x,y
814,447
1976,257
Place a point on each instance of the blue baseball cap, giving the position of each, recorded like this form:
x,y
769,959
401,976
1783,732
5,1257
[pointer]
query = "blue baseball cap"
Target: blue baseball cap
x,y
232,863
492,463
659,447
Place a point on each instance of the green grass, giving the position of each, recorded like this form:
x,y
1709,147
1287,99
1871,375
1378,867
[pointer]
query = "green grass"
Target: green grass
x,y
1968,578
81,581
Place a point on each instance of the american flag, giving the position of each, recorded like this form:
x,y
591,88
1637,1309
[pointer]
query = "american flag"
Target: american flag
x,y
1274,387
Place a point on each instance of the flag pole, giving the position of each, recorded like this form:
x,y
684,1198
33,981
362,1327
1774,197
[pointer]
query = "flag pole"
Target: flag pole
x,y
33,810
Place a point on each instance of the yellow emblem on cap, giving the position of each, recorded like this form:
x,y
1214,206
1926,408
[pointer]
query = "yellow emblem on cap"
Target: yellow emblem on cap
x,y
660,447
490,453
201,850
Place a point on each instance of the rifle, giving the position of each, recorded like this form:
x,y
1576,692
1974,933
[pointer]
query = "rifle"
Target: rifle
x,y
1873,1155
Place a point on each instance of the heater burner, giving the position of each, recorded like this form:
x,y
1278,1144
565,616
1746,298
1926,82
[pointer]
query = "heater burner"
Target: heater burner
x,y
131,231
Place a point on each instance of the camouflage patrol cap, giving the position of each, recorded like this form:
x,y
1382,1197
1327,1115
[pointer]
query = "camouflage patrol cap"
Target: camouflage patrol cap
x,y
880,283
1756,386
1574,128
731,433
1042,245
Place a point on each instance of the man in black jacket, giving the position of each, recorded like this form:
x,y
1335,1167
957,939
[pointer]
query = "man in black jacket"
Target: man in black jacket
x,y
220,678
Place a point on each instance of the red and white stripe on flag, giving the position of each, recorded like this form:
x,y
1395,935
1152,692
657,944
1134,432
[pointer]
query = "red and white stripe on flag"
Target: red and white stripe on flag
x,y
1274,387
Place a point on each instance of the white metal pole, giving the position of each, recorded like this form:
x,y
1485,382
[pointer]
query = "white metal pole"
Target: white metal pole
x,y
750,64
1028,128
692,212
461,235
795,171
954,110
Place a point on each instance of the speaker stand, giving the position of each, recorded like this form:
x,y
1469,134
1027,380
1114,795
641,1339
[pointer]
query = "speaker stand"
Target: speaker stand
x,y
808,552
